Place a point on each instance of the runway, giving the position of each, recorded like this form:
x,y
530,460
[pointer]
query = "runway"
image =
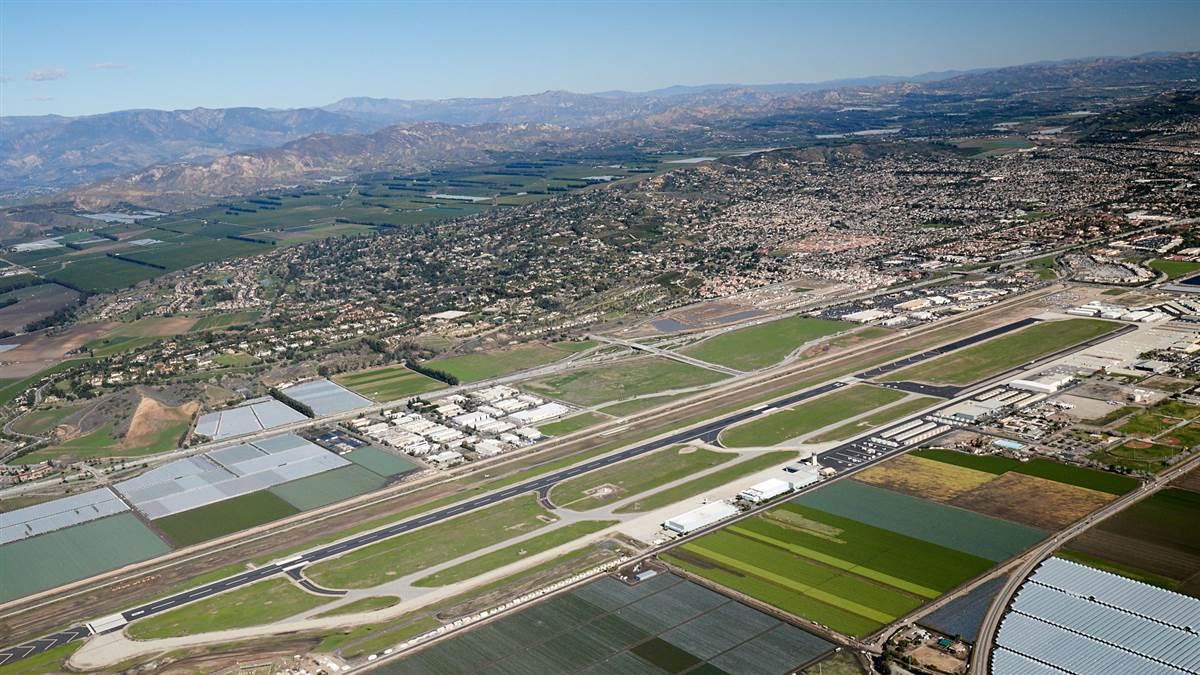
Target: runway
x,y
850,455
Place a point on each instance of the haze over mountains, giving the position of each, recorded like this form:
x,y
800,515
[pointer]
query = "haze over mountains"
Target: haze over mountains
x,y
178,158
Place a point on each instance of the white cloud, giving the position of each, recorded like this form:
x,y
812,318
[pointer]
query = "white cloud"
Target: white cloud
x,y
47,74
5,78
108,66
42,99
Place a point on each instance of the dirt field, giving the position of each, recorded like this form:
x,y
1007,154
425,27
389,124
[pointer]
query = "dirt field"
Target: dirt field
x,y
34,303
1033,501
152,417
1188,481
1145,555
925,478
40,350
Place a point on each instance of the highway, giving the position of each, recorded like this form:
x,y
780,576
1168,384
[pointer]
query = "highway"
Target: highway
x,y
847,456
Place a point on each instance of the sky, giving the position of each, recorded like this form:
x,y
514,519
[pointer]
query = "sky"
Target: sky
x,y
86,57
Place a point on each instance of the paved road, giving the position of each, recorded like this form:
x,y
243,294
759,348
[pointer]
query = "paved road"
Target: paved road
x,y
851,455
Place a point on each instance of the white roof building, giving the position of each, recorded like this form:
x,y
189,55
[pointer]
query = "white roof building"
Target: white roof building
x,y
702,517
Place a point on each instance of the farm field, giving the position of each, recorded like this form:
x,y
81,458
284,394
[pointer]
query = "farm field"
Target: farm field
x,y
994,356
260,603
511,554
73,553
429,546
847,574
809,416
33,303
100,274
389,384
1157,539
600,384
380,461
765,344
1042,468
486,365
225,517
964,615
326,488
958,529
924,478
633,476
662,624
1174,269
573,423
707,482
878,419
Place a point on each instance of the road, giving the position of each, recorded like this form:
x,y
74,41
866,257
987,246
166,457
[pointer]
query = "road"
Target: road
x,y
668,354
981,661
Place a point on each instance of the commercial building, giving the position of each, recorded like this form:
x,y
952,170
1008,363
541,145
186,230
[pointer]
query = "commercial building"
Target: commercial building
x,y
1042,384
765,491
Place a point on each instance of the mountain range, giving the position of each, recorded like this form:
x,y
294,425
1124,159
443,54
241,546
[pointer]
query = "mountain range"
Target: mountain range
x,y
176,158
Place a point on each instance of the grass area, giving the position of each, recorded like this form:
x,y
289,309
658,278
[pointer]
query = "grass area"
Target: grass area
x,y
1113,415
1041,468
372,565
634,476
381,636
809,416
600,384
1136,455
225,320
511,554
260,603
878,419
363,605
225,517
1174,268
925,478
486,365
42,420
1177,409
101,274
101,443
573,423
999,354
236,360
328,487
1044,267
707,482
637,405
765,344
10,389
389,383
1144,424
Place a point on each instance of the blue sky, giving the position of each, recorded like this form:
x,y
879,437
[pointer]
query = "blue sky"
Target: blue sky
x,y
88,57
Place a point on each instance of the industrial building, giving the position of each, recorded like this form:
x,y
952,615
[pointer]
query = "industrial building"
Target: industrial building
x,y
1043,384
1070,618
698,519
765,491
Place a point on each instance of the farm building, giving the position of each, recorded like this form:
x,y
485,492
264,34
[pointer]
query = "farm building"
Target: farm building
x,y
698,519
250,416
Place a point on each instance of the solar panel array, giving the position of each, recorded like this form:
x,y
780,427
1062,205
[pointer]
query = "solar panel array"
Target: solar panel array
x,y
253,415
218,475
325,397
1071,618
41,518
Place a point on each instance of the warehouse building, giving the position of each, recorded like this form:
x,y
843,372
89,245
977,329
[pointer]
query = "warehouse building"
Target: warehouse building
x,y
1042,384
698,519
765,491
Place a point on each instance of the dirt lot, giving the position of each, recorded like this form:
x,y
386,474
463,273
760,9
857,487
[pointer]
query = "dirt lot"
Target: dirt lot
x,y
1188,481
1033,501
42,350
34,303
1141,554
925,478
151,417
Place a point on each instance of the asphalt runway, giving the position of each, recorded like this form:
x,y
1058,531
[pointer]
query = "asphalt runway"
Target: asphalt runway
x,y
849,455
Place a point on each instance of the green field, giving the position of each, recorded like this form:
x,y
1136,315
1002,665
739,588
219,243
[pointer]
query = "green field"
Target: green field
x,y
765,344
878,419
429,546
100,443
389,384
841,572
634,476
50,661
1131,455
362,605
999,354
511,554
1144,424
939,524
177,255
637,405
42,420
600,384
100,274
708,482
809,416
380,461
573,423
1041,468
313,492
486,365
66,555
1174,268
225,517
258,604
225,320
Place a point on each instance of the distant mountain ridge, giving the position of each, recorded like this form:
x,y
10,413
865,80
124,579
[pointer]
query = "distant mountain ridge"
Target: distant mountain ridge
x,y
168,150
